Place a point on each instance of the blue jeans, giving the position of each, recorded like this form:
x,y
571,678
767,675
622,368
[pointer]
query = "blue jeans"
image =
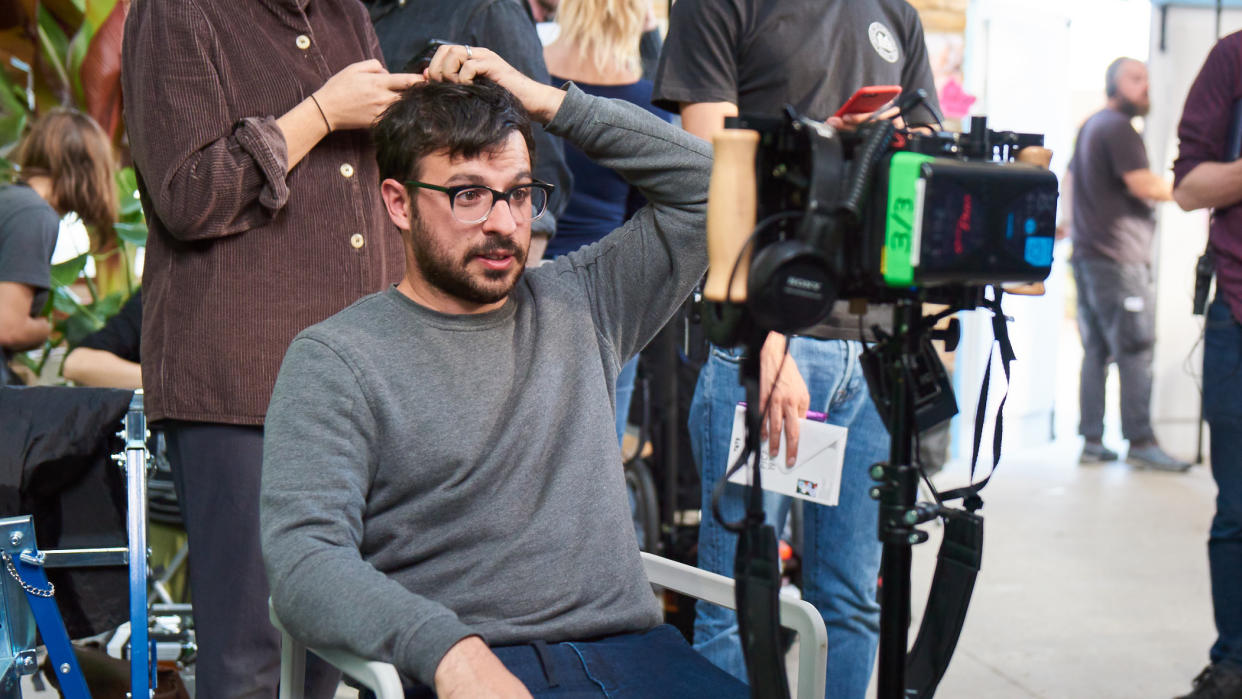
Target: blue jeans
x,y
841,551
1222,407
649,664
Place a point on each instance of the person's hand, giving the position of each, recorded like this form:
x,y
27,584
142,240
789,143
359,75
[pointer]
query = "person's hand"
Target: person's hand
x,y
784,396
462,64
355,97
470,669
849,122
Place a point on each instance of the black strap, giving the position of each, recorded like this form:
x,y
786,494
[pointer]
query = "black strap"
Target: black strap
x,y
957,566
1000,331
961,551
757,570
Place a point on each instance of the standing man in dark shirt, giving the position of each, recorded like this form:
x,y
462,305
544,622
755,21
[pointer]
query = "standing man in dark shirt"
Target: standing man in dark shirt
x,y
1206,177
1112,224
755,56
248,122
504,26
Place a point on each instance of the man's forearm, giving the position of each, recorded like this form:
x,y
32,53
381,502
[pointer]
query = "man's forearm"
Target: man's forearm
x,y
93,367
1210,186
25,333
1146,184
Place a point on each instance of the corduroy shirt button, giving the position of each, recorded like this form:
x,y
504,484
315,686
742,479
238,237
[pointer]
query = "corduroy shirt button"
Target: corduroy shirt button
x,y
347,170
357,240
303,41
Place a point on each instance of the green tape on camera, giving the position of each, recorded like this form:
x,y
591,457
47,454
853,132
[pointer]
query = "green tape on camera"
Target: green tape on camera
x,y
905,211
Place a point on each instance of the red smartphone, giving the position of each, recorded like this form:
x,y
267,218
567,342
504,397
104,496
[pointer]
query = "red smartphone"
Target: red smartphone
x,y
868,99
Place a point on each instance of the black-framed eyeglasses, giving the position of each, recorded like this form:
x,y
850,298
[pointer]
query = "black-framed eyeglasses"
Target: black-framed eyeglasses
x,y
473,203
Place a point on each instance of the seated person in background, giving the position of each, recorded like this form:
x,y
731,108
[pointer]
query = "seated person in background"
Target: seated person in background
x,y
66,165
441,481
110,356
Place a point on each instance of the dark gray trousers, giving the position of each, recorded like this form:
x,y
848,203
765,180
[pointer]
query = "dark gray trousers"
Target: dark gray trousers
x,y
1117,322
217,470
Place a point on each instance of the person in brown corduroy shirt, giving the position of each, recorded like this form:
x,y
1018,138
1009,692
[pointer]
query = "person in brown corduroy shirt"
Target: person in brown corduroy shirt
x,y
248,124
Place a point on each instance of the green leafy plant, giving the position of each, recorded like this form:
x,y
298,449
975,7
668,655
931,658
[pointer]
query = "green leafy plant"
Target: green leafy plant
x,y
68,53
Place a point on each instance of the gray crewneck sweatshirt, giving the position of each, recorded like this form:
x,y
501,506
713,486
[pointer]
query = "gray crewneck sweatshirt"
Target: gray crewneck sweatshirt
x,y
427,477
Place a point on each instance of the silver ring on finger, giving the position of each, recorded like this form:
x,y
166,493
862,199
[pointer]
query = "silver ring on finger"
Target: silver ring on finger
x,y
469,53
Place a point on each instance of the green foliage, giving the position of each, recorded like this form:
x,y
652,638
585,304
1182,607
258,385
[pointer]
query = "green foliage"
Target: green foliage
x,y
42,65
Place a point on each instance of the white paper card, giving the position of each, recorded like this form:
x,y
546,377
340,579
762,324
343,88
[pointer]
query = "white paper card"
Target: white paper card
x,y
815,476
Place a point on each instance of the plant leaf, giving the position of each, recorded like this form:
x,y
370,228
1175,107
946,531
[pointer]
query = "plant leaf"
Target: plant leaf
x,y
78,325
132,233
73,61
101,72
54,41
70,13
67,272
67,302
98,11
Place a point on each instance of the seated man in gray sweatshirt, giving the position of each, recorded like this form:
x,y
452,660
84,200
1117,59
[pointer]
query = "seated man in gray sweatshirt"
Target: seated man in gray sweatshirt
x,y
441,479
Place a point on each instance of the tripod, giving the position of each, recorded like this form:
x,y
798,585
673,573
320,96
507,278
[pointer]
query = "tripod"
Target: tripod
x,y
897,492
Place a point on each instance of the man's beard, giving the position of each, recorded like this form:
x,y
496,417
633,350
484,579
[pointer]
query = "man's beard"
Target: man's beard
x,y
1132,109
453,277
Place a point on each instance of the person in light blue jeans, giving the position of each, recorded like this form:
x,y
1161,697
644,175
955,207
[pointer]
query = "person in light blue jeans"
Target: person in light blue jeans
x,y
841,551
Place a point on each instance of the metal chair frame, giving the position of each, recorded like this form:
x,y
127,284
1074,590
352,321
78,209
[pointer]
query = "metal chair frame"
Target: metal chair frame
x,y
797,615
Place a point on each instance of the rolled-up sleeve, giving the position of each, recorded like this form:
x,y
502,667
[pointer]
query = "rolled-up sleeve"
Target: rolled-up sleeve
x,y
209,173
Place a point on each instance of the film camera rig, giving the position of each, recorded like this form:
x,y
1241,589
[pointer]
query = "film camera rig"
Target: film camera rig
x,y
801,215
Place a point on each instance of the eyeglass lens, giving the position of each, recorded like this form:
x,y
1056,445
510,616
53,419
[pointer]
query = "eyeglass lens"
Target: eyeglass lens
x,y
526,202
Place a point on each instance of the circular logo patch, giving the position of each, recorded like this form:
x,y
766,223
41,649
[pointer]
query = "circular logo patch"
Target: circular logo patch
x,y
883,41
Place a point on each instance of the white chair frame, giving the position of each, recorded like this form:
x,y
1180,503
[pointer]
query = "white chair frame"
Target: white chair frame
x,y
797,615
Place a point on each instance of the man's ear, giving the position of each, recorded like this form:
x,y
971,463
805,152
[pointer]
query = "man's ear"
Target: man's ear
x,y
397,202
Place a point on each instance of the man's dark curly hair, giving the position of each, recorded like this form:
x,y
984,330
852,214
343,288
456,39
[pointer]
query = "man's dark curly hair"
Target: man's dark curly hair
x,y
465,120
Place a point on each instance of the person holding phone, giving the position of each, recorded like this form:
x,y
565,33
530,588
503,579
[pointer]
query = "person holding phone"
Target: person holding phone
x,y
722,57
249,129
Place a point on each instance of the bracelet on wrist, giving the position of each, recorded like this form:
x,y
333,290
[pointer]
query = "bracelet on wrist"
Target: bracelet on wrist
x,y
321,112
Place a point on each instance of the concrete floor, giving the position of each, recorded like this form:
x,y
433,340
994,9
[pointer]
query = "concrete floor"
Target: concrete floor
x,y
1094,581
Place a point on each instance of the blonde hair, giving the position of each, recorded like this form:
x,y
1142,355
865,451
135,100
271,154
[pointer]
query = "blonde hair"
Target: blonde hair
x,y
70,149
606,32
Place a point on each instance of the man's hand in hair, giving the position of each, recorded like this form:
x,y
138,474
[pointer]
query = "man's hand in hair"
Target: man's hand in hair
x,y
461,64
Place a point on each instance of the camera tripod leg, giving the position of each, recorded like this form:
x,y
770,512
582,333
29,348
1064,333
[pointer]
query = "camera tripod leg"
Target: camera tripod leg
x,y
897,492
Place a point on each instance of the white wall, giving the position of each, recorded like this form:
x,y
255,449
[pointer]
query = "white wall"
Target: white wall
x,y
1189,35
1038,67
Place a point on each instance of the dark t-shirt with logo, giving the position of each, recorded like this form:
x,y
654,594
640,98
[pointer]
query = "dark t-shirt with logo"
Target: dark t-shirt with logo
x,y
1108,222
763,54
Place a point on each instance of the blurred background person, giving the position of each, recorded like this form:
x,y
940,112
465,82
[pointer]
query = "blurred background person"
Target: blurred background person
x,y
1112,223
65,165
598,49
110,356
